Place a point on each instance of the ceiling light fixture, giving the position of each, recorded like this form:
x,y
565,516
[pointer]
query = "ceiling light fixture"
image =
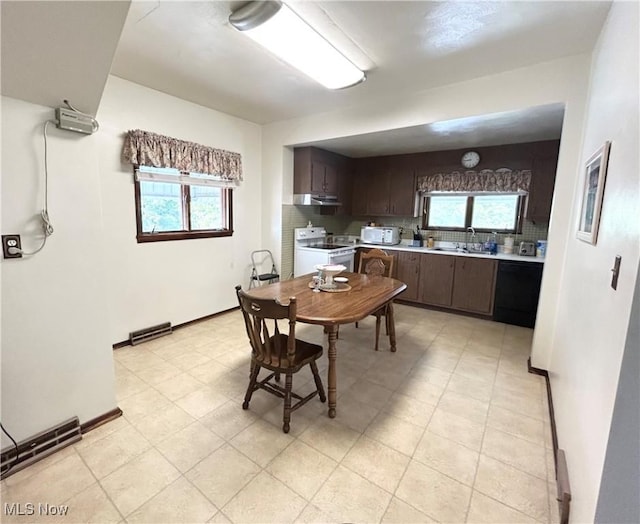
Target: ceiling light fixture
x,y
276,27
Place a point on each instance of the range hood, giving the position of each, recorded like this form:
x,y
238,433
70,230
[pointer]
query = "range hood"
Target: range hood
x,y
315,200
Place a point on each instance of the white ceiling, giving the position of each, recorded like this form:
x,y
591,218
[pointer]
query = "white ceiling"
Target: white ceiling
x,y
52,51
189,50
513,127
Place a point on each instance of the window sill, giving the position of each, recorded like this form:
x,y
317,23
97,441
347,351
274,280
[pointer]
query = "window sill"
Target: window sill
x,y
182,235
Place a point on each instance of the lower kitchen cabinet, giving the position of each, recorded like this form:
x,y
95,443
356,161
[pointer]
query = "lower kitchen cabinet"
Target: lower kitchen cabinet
x,y
408,271
456,282
436,279
451,281
474,284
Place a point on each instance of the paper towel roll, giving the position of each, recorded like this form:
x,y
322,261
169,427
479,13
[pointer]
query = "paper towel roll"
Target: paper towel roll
x,y
508,245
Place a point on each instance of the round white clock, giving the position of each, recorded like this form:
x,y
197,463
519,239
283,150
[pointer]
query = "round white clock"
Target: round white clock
x,y
470,159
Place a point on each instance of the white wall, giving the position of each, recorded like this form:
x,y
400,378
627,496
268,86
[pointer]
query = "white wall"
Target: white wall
x,y
592,318
564,80
56,350
581,322
618,500
174,281
93,283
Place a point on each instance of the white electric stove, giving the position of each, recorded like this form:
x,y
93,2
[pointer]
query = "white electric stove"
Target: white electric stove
x,y
311,248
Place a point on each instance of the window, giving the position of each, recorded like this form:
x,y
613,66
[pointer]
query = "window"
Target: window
x,y
175,206
484,212
448,212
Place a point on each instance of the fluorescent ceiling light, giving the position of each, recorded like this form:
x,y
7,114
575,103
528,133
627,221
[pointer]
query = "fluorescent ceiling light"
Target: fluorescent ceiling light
x,y
276,27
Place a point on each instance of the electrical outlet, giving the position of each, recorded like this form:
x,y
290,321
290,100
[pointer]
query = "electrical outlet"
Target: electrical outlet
x,y
9,241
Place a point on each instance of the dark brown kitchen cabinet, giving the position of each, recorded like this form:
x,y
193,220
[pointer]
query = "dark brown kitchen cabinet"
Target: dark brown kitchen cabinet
x,y
315,171
436,279
378,194
383,186
359,193
402,186
324,179
474,284
543,177
370,187
408,271
321,172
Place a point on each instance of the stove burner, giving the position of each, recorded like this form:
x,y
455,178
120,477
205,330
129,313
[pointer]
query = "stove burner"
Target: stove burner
x,y
326,246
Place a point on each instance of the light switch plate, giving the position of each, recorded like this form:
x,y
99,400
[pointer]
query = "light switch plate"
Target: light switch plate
x,y
616,272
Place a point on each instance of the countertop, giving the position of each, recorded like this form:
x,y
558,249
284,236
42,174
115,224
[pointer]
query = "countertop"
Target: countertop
x,y
436,251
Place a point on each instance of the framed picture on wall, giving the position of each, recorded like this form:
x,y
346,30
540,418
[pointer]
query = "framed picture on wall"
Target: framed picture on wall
x,y
595,174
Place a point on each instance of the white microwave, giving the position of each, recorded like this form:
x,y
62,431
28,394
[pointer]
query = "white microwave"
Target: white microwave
x,y
383,236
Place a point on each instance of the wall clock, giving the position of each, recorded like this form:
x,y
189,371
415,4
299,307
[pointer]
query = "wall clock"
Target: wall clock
x,y
470,159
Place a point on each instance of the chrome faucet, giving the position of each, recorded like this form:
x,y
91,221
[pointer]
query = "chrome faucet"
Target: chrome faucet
x,y
466,237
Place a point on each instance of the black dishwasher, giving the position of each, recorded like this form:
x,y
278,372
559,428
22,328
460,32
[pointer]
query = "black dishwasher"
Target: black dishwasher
x,y
517,293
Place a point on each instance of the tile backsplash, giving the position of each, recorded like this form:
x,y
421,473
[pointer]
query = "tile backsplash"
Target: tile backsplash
x,y
300,216
530,231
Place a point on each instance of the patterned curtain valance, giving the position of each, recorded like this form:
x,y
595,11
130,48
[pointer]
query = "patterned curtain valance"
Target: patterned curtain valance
x,y
499,181
143,148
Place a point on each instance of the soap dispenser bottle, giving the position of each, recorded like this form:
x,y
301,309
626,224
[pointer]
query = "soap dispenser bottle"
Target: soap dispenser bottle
x,y
493,243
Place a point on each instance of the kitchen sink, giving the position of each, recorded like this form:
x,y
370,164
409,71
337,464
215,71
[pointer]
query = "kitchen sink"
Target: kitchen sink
x,y
460,250
448,249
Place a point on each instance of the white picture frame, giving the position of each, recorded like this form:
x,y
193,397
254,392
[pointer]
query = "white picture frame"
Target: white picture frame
x,y
593,182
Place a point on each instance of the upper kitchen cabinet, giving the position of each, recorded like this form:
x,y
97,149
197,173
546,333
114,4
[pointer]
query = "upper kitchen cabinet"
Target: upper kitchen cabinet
x,y
321,172
384,186
314,171
378,187
402,185
324,179
543,178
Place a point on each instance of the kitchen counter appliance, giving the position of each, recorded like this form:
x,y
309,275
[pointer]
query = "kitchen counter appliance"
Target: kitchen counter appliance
x,y
381,236
311,248
527,249
517,293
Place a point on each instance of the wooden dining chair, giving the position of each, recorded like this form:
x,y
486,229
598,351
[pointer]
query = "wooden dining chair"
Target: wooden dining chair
x,y
277,352
378,263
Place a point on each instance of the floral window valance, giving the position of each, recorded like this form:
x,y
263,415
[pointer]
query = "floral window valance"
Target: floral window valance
x,y
143,148
499,181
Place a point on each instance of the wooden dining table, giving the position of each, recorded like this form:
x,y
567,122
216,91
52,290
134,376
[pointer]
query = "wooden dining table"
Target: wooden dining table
x,y
330,309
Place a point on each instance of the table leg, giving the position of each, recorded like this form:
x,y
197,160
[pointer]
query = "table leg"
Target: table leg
x,y
392,326
331,374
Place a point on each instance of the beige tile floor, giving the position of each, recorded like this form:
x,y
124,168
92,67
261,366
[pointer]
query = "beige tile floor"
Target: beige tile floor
x,y
451,428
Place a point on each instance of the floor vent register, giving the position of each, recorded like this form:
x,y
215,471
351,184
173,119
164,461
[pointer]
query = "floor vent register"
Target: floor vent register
x,y
146,334
39,446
